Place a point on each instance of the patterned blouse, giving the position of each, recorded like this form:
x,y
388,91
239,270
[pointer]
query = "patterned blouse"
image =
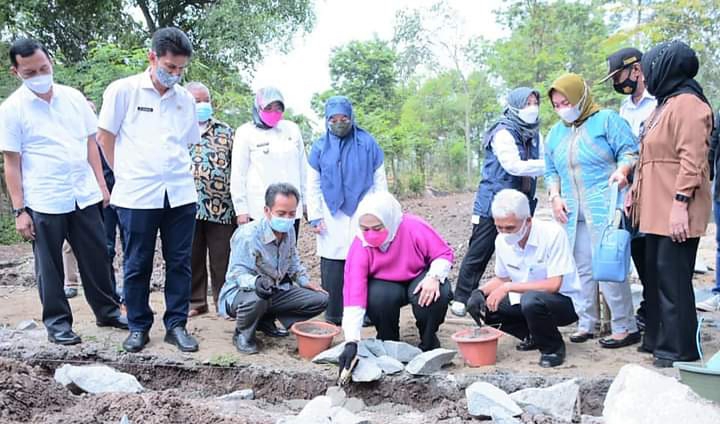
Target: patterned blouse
x,y
211,169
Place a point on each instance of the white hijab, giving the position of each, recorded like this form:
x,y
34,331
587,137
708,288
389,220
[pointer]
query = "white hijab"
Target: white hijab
x,y
384,207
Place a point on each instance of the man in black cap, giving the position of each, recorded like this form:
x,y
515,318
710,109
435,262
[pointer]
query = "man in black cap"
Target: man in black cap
x,y
626,73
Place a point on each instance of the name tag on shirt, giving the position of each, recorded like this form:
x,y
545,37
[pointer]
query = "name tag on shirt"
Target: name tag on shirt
x,y
144,109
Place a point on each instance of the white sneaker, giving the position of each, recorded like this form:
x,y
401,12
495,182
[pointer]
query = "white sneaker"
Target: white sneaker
x,y
710,304
458,309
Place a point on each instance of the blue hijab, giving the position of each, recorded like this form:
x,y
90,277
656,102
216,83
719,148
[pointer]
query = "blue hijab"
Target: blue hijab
x,y
346,165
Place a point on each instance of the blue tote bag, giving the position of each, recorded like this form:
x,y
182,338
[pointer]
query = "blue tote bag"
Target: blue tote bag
x,y
611,256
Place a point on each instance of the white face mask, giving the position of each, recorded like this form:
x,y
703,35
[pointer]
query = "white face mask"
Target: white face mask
x,y
40,84
529,114
572,113
514,238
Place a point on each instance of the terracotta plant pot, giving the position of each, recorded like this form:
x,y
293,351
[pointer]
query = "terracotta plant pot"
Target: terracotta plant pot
x,y
478,346
313,337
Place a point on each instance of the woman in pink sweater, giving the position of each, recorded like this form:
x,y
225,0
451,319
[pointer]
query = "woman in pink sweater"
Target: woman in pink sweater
x,y
396,259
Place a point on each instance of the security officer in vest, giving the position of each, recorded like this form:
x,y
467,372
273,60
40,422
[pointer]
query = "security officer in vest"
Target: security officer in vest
x,y
513,152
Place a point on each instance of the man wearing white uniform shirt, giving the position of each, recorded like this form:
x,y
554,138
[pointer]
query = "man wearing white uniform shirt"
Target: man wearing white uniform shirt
x,y
535,280
147,122
625,71
56,185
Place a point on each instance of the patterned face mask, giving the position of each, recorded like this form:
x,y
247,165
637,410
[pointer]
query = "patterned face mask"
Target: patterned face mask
x,y
340,128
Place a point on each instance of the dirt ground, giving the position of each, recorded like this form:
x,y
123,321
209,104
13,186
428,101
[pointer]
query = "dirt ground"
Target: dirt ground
x,y
448,214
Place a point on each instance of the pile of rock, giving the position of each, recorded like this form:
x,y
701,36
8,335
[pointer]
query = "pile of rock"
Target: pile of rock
x,y
332,408
377,358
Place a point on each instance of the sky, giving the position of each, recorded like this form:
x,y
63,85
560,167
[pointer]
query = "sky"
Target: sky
x,y
305,71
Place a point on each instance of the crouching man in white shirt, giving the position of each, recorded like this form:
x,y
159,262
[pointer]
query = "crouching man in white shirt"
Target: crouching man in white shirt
x,y
535,280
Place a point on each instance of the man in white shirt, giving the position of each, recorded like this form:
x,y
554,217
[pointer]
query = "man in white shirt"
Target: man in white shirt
x,y
535,284
53,173
625,71
146,124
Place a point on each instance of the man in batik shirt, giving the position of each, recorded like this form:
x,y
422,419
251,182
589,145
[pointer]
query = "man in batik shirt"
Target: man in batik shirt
x,y
215,219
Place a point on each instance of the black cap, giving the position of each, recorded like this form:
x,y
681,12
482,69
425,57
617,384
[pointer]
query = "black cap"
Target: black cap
x,y
620,59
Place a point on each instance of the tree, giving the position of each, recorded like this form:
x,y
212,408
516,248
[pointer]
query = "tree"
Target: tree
x,y
433,41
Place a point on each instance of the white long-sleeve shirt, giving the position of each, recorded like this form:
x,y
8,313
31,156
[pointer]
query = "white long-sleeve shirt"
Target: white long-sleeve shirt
x,y
505,148
341,229
262,157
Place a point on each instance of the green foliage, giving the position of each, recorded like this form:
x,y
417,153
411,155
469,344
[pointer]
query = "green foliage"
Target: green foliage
x,y
416,184
8,235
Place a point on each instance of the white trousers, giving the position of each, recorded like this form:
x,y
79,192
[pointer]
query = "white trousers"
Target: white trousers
x,y
617,295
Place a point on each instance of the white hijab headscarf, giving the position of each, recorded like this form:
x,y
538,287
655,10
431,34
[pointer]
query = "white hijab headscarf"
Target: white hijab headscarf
x,y
384,207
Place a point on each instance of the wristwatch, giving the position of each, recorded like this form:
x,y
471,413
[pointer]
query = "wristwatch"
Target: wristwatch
x,y
682,198
19,211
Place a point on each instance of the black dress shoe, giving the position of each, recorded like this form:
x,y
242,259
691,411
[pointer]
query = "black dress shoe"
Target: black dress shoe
x,y
643,349
270,329
243,345
179,337
549,360
136,341
630,339
526,345
662,363
115,322
581,337
65,338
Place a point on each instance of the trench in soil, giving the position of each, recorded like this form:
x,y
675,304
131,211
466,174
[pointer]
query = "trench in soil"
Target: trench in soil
x,y
277,385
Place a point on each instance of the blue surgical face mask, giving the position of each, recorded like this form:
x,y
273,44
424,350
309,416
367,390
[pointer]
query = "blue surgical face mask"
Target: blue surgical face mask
x,y
166,78
281,225
204,111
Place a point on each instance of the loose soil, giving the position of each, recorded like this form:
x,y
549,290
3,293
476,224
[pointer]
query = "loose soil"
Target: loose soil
x,y
183,386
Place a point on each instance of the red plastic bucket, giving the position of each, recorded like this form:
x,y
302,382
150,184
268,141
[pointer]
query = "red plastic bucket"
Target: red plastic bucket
x,y
313,337
478,346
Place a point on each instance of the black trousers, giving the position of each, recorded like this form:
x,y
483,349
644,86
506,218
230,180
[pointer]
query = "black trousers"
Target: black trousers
x,y
332,276
480,250
83,229
538,315
385,298
671,321
289,305
637,250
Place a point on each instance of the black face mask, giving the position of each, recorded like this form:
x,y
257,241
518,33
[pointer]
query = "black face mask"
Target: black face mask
x,y
626,87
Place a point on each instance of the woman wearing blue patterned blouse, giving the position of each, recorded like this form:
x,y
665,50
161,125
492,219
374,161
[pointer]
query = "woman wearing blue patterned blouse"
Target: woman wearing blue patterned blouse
x,y
585,152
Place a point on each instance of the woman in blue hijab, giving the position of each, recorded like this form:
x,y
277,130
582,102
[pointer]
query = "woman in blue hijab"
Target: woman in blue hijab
x,y
513,159
346,163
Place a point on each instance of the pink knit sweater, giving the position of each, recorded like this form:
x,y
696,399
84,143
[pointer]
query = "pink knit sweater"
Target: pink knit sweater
x,y
414,247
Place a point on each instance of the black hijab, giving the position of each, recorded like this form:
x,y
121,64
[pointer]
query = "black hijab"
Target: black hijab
x,y
669,69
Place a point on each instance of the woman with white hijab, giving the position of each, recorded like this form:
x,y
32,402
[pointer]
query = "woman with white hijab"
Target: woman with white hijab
x,y
396,259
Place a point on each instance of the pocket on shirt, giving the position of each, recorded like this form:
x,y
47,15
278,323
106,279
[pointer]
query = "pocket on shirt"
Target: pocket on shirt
x,y
538,271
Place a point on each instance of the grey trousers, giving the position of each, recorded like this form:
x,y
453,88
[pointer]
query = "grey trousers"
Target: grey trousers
x,y
617,295
289,305
83,228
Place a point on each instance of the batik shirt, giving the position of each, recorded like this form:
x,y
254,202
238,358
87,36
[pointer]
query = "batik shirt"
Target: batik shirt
x,y
211,169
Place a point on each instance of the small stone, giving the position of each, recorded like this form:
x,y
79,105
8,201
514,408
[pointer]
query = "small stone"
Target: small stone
x,y
336,395
557,401
484,399
374,346
343,416
26,325
245,394
354,405
430,362
317,410
366,371
401,351
332,355
389,365
96,379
